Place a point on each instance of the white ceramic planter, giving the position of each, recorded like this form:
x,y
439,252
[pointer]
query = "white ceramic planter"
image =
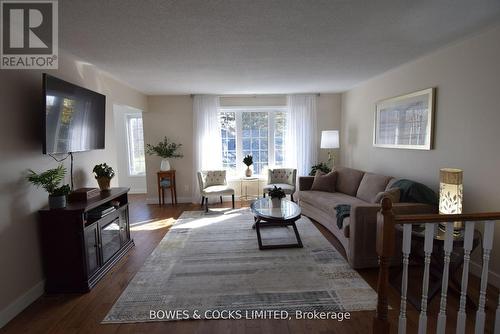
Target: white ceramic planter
x,y
165,165
276,202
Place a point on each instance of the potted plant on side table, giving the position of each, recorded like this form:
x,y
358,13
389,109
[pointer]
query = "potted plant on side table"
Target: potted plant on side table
x,y
248,161
276,195
103,174
49,180
164,149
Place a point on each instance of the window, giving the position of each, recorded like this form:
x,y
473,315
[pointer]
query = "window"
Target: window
x,y
135,144
258,132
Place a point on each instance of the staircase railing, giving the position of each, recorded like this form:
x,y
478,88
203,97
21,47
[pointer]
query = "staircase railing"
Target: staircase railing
x,y
387,222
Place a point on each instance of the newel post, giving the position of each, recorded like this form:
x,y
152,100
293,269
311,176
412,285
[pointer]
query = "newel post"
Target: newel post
x,y
385,250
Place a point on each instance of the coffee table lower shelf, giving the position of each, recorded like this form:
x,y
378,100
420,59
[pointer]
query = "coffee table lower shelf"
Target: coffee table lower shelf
x,y
259,223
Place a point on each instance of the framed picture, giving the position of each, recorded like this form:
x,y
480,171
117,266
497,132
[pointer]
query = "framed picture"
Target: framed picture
x,y
405,121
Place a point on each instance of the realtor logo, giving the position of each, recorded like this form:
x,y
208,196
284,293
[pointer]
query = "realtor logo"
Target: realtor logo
x,y
29,35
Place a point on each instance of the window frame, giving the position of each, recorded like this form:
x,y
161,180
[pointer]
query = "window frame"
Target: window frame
x,y
127,117
271,116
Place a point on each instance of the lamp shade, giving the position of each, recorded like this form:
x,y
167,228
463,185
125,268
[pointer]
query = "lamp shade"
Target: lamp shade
x,y
330,139
450,190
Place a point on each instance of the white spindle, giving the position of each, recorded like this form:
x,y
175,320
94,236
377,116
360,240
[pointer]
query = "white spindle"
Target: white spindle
x,y
489,228
428,243
404,279
448,247
468,240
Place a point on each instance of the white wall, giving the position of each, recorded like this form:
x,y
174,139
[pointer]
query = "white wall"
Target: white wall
x,y
136,183
21,276
172,116
467,77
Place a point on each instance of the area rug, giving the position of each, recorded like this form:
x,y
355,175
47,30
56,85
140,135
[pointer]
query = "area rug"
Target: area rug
x,y
210,262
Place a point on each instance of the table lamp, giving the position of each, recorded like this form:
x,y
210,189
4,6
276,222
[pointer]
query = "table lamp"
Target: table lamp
x,y
451,193
329,140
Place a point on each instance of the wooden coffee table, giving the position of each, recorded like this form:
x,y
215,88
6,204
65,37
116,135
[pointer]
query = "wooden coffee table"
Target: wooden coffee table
x,y
286,215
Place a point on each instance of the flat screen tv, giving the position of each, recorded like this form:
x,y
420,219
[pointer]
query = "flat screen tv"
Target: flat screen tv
x,y
74,117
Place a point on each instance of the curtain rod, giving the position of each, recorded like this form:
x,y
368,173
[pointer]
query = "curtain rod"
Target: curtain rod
x,y
251,95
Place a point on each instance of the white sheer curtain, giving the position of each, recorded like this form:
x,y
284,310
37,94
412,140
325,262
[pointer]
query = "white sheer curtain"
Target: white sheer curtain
x,y
301,136
206,137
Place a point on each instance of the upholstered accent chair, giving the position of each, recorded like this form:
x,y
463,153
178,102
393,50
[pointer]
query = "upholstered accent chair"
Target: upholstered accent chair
x,y
213,183
284,178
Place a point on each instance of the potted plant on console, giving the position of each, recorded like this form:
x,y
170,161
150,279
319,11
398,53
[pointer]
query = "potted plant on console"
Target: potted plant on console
x,y
165,150
50,180
248,161
276,195
103,174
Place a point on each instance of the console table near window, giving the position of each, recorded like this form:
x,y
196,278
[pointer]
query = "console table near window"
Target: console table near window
x,y
166,180
84,240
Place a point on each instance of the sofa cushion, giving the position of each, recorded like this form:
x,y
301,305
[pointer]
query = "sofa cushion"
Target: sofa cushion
x,y
394,194
371,185
326,201
348,180
324,182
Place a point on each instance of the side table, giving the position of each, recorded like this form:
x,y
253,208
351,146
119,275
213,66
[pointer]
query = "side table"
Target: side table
x,y
166,180
244,184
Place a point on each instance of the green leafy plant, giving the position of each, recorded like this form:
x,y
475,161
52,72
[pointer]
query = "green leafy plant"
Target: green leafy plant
x,y
248,160
322,166
164,149
103,170
62,191
49,180
277,193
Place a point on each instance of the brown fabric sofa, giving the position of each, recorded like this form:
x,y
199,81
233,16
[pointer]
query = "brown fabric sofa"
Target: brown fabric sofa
x,y
358,232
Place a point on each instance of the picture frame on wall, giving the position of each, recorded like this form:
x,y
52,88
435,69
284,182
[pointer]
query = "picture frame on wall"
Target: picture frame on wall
x,y
406,121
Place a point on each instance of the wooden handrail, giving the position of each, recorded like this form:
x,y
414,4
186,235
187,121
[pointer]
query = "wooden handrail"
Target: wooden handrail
x,y
443,218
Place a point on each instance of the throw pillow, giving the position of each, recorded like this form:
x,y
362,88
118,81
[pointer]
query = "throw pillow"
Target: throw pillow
x,y
324,182
394,194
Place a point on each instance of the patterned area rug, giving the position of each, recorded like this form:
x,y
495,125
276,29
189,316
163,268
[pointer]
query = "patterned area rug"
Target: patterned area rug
x,y
212,262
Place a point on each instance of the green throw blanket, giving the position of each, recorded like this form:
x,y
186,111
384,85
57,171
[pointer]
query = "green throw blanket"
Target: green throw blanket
x,y
414,192
411,192
343,211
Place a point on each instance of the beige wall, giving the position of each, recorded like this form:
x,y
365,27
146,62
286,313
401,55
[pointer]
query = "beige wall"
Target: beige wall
x,y
21,148
467,77
172,116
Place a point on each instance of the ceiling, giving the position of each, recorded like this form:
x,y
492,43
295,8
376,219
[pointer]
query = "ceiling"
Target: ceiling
x,y
261,46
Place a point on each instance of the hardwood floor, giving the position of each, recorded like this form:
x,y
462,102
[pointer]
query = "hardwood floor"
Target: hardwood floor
x,y
82,313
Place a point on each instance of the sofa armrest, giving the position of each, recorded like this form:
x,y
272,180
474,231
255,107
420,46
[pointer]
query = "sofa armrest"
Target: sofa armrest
x,y
363,231
363,235
305,182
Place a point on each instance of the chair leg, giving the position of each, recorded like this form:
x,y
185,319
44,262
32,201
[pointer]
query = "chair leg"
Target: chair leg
x,y
202,200
206,204
232,199
264,194
291,197
220,199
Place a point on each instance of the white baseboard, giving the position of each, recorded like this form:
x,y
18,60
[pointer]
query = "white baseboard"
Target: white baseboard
x,y
493,278
137,191
18,305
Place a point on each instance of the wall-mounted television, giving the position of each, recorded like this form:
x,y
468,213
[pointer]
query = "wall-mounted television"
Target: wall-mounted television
x,y
74,117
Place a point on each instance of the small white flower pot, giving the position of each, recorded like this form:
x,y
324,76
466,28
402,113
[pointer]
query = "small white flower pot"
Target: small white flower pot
x,y
165,165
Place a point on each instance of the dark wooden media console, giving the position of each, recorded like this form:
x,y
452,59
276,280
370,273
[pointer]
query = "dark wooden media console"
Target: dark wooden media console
x,y
80,246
